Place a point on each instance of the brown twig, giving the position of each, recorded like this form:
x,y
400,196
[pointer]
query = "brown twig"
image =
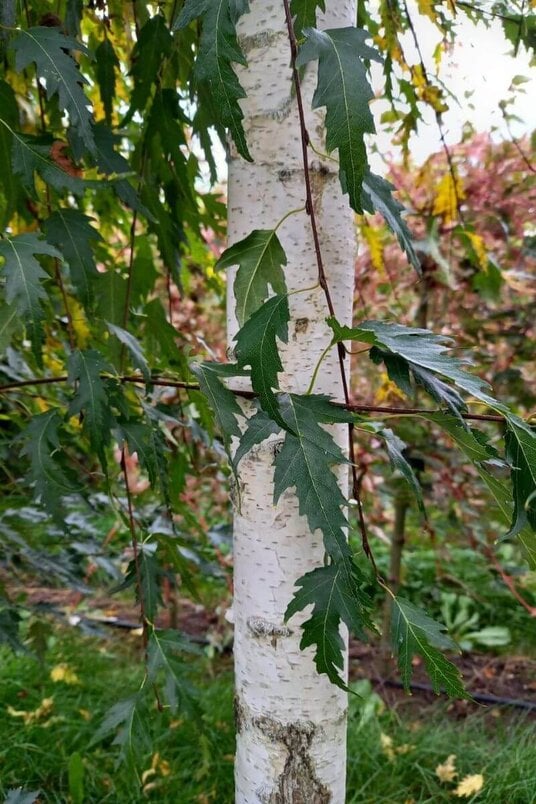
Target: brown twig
x,y
135,550
163,382
322,279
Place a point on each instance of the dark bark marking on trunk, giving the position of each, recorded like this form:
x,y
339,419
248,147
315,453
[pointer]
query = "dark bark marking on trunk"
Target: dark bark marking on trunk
x,y
298,782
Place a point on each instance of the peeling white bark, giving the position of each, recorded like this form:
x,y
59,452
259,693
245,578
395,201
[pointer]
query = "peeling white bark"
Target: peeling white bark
x,y
291,722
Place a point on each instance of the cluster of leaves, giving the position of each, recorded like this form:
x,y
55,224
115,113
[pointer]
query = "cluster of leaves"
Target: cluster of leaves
x,y
103,218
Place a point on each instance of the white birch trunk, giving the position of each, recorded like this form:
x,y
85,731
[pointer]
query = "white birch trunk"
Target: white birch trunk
x,y
291,722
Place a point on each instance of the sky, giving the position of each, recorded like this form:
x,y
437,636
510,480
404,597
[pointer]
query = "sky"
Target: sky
x,y
479,72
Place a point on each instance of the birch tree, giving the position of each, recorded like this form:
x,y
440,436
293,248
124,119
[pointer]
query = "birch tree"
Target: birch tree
x,y
107,126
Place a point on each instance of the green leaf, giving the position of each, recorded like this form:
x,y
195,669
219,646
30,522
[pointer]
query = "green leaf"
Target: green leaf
x,y
133,345
50,50
259,427
395,449
424,355
10,621
377,196
91,398
474,445
147,585
218,50
10,112
24,277
162,337
43,448
343,88
337,594
305,462
70,231
256,346
260,258
222,401
106,63
29,157
149,444
9,324
153,46
164,655
110,162
304,14
414,633
521,453
128,719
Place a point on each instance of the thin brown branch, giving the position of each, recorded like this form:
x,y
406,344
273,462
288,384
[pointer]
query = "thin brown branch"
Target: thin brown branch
x,y
322,279
193,386
135,550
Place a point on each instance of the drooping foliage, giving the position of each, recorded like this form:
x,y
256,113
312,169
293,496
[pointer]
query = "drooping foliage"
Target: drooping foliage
x,y
113,220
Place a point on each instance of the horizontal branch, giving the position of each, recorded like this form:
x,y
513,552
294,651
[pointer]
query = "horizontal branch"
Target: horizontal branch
x,y
193,386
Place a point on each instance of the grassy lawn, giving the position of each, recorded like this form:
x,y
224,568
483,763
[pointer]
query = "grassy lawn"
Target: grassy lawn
x,y
47,727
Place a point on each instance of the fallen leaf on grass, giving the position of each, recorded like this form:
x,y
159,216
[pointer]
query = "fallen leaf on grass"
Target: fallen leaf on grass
x,y
62,672
446,772
469,786
43,711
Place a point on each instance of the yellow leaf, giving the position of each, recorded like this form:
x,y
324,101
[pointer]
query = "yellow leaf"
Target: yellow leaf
x,y
469,785
375,246
62,672
386,743
426,7
43,711
80,325
449,193
85,713
446,772
479,248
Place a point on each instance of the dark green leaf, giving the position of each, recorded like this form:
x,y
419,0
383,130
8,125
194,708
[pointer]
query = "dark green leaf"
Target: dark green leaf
x,y
43,448
149,444
110,162
304,14
377,196
305,462
91,398
222,401
343,88
414,633
128,719
73,15
29,157
218,49
165,651
153,46
10,621
260,258
106,63
256,346
24,277
50,50
70,231
521,453
395,450
9,112
259,427
337,594
425,355
162,336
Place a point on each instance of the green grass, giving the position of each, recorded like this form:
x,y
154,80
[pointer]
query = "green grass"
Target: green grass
x,y
194,762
